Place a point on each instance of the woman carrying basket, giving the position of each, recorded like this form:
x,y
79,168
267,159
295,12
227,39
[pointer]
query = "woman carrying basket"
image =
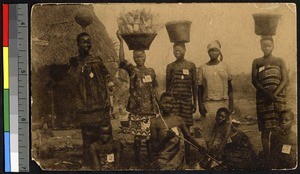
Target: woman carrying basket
x,y
142,100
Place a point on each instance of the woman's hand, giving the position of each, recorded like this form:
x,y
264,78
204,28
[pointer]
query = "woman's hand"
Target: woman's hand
x,y
119,36
194,108
230,108
271,97
202,110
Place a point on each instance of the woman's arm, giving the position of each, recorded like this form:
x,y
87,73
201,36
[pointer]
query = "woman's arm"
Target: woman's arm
x,y
256,83
284,77
202,108
230,95
168,78
154,137
121,50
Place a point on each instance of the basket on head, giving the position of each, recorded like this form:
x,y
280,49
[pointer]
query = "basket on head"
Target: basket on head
x,y
179,31
83,17
266,24
138,41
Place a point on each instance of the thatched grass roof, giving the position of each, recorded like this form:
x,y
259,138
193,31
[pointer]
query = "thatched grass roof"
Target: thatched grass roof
x,y
54,31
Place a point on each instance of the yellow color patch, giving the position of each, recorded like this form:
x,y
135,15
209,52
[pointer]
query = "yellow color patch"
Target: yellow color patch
x,y
5,68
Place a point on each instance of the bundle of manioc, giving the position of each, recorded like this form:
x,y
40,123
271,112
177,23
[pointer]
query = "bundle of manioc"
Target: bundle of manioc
x,y
136,21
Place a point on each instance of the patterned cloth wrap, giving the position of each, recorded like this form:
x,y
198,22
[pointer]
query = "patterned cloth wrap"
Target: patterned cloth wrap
x,y
140,125
267,111
238,152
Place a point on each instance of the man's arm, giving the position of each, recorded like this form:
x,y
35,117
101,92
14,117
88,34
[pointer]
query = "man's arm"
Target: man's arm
x,y
284,77
194,88
213,137
230,95
228,129
188,137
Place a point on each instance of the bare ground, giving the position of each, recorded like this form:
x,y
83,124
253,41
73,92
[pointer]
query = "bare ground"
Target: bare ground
x,y
64,149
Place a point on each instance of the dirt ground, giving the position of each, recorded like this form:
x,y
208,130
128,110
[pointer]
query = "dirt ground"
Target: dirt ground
x,y
64,148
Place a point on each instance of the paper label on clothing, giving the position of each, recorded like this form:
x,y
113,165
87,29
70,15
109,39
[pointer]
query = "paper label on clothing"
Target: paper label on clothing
x,y
111,158
286,149
91,75
175,130
261,68
147,79
229,140
185,72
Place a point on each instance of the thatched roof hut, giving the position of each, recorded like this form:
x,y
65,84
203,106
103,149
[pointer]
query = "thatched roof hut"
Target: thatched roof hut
x,y
53,43
54,31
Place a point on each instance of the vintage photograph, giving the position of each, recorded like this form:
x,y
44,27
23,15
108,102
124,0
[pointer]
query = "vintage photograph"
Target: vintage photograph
x,y
163,86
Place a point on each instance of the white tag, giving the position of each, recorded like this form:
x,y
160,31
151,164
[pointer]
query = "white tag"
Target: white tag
x,y
182,77
110,158
175,130
261,68
229,140
91,75
148,78
286,149
185,72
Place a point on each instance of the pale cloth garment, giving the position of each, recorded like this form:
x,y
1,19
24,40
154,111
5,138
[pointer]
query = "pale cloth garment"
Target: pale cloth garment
x,y
214,79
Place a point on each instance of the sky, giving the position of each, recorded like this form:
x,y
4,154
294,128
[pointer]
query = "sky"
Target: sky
x,y
230,23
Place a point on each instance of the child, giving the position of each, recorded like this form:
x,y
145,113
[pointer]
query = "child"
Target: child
x,y
181,82
166,131
106,152
284,143
269,77
142,103
228,142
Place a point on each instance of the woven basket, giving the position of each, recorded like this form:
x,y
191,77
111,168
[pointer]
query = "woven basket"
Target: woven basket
x,y
138,41
179,31
266,24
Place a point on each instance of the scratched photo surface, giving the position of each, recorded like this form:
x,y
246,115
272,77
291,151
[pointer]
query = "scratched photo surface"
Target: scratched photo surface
x,y
138,86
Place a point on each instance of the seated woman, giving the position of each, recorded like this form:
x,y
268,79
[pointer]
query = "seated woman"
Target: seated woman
x,y
230,144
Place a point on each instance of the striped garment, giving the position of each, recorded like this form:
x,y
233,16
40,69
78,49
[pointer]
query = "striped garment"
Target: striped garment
x,y
181,76
268,111
183,108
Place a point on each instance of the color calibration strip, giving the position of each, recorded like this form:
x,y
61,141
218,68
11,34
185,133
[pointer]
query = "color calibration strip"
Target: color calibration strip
x,y
5,10
16,87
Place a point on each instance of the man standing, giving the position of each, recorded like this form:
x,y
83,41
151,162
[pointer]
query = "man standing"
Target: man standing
x,y
91,80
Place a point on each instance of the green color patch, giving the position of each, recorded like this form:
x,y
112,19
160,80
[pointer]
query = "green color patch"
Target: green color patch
x,y
6,110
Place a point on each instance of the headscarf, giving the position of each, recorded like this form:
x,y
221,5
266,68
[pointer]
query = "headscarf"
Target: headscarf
x,y
215,44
